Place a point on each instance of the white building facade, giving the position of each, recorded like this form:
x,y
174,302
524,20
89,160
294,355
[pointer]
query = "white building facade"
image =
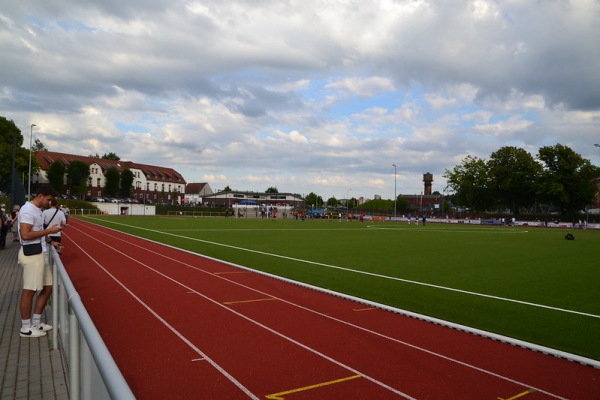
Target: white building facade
x,y
151,184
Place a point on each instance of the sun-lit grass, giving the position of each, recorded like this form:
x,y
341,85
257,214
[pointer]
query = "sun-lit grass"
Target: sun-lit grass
x,y
473,275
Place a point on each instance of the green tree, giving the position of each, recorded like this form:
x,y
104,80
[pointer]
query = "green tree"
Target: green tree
x,y
38,146
78,173
112,181
352,202
56,175
8,130
175,197
514,176
127,179
272,190
470,182
111,156
332,202
402,204
566,179
313,199
378,205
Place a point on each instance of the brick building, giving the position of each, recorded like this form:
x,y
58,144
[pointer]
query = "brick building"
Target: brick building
x,y
152,184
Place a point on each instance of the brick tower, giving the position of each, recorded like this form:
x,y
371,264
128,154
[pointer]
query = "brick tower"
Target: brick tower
x,y
427,178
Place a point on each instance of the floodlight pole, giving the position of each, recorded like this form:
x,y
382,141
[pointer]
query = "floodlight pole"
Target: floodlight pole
x,y
347,191
395,196
13,174
30,151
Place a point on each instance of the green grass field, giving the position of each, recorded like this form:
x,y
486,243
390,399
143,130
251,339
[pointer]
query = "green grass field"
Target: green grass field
x,y
472,275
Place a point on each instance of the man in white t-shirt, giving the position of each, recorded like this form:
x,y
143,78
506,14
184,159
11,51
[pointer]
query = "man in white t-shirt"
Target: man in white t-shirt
x,y
55,216
36,269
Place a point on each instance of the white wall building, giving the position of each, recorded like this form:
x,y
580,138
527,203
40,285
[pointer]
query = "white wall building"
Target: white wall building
x,y
151,184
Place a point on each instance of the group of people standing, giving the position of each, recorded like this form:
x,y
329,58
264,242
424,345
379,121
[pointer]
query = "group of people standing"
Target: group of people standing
x,y
36,225
423,219
7,222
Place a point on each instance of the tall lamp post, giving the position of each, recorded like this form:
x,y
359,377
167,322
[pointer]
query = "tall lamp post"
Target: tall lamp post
x,y
13,176
395,197
347,191
29,175
597,145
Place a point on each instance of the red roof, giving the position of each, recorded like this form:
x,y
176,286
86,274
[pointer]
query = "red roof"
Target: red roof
x,y
152,172
194,188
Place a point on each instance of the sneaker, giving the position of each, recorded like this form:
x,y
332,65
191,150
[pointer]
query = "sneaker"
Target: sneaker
x,y
42,327
32,332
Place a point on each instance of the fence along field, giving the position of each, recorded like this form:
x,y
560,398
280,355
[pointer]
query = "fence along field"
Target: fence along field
x,y
526,283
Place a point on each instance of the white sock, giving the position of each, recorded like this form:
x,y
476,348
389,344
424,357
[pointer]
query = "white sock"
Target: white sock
x,y
37,318
25,324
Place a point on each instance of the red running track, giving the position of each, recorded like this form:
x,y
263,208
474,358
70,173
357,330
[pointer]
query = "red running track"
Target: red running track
x,y
180,325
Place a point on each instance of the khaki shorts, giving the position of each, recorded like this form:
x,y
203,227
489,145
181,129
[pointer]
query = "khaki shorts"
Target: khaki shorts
x,y
36,271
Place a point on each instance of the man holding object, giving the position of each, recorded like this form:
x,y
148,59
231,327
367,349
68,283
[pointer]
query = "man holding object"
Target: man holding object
x,y
36,269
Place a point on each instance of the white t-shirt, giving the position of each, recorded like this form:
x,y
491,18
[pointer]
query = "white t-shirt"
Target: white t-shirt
x,y
31,215
58,219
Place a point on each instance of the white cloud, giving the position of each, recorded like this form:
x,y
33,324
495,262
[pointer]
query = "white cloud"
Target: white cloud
x,y
504,128
362,87
294,137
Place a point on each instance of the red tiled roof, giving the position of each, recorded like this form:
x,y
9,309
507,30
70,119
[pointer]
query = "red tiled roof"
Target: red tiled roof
x,y
194,188
152,172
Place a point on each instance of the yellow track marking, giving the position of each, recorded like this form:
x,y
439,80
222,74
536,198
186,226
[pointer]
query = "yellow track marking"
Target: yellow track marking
x,y
363,309
248,301
525,393
280,395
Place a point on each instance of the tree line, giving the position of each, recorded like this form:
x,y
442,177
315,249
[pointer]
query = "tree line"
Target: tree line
x,y
557,177
117,183
512,179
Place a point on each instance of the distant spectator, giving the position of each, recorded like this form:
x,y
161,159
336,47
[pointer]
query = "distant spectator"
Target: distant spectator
x,y
5,224
15,226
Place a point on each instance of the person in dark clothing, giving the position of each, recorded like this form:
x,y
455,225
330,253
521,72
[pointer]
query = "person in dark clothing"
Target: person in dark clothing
x,y
6,222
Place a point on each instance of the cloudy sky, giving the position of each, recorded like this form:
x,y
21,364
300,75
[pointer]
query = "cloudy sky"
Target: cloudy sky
x,y
303,95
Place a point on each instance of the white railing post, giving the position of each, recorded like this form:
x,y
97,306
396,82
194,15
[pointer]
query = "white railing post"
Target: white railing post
x,y
73,355
55,281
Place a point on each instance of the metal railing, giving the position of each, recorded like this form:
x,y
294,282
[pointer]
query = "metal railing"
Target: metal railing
x,y
91,370
184,213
